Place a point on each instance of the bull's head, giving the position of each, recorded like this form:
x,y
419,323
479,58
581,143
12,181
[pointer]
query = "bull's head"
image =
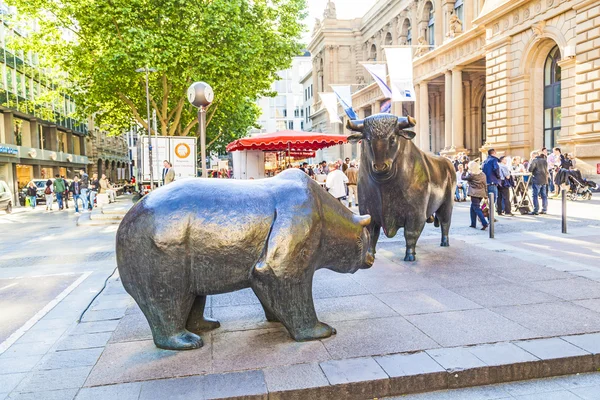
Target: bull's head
x,y
382,135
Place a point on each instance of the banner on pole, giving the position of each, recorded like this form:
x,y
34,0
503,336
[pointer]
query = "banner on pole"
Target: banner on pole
x,y
399,61
329,100
386,106
344,96
378,72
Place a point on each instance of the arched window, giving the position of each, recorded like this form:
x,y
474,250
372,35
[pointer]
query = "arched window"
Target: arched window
x,y
483,122
552,101
373,53
388,39
430,24
459,10
406,29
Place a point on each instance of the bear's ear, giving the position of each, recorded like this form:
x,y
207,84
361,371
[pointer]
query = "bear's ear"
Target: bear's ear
x,y
362,220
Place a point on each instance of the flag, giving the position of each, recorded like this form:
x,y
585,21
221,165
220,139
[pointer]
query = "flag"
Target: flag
x,y
329,101
378,72
344,95
399,61
386,106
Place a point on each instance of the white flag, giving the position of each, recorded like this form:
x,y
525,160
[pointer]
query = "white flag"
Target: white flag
x,y
344,95
378,72
400,64
329,101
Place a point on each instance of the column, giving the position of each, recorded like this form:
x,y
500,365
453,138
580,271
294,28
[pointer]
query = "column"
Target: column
x,y
9,128
457,110
424,114
448,111
468,126
418,112
436,117
69,146
34,135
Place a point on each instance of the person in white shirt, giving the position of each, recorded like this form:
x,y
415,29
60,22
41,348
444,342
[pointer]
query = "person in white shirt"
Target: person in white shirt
x,y
336,181
460,184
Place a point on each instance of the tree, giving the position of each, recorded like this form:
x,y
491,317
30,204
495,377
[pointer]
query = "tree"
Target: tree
x,y
236,46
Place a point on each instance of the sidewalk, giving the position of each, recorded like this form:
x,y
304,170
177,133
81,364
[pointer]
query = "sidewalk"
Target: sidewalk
x,y
525,305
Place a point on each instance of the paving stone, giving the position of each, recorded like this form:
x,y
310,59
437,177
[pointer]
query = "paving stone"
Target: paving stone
x,y
246,385
241,297
64,394
365,338
133,326
342,285
399,282
551,348
559,395
95,327
253,349
528,273
108,302
47,337
455,359
237,318
589,342
26,349
507,294
56,379
409,364
45,325
522,388
426,301
103,315
587,393
591,304
476,393
18,364
552,319
70,358
501,354
294,377
124,391
347,308
10,381
571,382
84,341
142,360
458,277
352,370
459,328
569,289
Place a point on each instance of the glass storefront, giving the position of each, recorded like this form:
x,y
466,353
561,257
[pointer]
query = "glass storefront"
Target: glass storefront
x,y
24,175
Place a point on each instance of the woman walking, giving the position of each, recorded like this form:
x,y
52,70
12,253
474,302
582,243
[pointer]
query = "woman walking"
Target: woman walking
x,y
32,194
478,191
49,193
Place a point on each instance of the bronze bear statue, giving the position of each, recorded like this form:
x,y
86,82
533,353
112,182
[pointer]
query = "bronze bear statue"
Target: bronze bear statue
x,y
200,237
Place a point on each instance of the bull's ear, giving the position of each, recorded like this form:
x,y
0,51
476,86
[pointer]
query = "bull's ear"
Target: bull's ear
x,y
355,137
356,125
410,135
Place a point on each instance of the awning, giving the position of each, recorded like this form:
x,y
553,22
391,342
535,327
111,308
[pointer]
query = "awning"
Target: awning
x,y
293,141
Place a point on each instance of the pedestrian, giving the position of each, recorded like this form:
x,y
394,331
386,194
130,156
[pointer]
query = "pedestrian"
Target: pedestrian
x,y
106,188
552,160
66,192
168,174
477,191
336,181
491,169
346,165
48,194
32,194
77,195
84,183
59,190
538,167
504,206
94,187
352,174
460,184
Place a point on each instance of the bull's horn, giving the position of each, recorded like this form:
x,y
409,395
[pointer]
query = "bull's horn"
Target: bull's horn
x,y
362,220
355,137
356,125
406,122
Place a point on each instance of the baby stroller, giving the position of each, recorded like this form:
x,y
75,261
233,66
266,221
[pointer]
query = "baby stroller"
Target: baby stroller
x,y
579,187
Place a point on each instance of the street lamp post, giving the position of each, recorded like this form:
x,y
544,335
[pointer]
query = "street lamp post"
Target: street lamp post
x,y
201,95
147,71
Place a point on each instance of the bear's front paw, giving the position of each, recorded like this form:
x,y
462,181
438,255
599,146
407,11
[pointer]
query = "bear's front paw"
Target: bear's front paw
x,y
319,331
182,341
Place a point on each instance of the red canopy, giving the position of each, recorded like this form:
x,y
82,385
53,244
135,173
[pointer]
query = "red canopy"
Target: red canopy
x,y
284,140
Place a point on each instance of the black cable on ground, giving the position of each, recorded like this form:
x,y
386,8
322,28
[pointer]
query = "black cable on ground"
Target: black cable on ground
x,y
96,296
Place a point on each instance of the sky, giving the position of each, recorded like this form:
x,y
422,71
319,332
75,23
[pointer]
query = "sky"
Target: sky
x,y
346,9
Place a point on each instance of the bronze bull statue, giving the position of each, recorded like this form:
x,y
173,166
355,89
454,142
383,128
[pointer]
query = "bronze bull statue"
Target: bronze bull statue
x,y
398,184
201,237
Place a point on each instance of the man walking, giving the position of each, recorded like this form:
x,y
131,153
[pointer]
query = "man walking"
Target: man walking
x,y
168,172
335,182
346,165
539,175
491,169
352,174
84,184
76,190
94,187
59,189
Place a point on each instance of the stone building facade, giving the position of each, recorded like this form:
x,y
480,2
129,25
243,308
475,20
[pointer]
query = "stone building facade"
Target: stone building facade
x,y
515,75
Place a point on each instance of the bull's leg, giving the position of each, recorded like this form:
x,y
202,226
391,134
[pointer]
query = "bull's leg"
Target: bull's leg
x,y
271,317
412,232
290,301
196,321
444,214
374,230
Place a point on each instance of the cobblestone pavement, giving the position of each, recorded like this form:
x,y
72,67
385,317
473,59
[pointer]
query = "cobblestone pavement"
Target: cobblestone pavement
x,y
527,292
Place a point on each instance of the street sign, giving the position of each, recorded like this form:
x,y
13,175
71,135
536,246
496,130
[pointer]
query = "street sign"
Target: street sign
x,y
179,150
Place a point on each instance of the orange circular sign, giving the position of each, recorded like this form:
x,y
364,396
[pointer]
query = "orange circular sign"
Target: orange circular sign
x,y
182,150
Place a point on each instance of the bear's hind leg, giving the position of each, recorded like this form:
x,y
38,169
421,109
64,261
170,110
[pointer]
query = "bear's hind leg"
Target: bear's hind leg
x,y
197,322
271,317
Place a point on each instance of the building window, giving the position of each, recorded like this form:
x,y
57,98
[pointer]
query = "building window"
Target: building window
x,y
302,125
290,124
431,27
459,11
408,33
373,53
552,100
483,122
